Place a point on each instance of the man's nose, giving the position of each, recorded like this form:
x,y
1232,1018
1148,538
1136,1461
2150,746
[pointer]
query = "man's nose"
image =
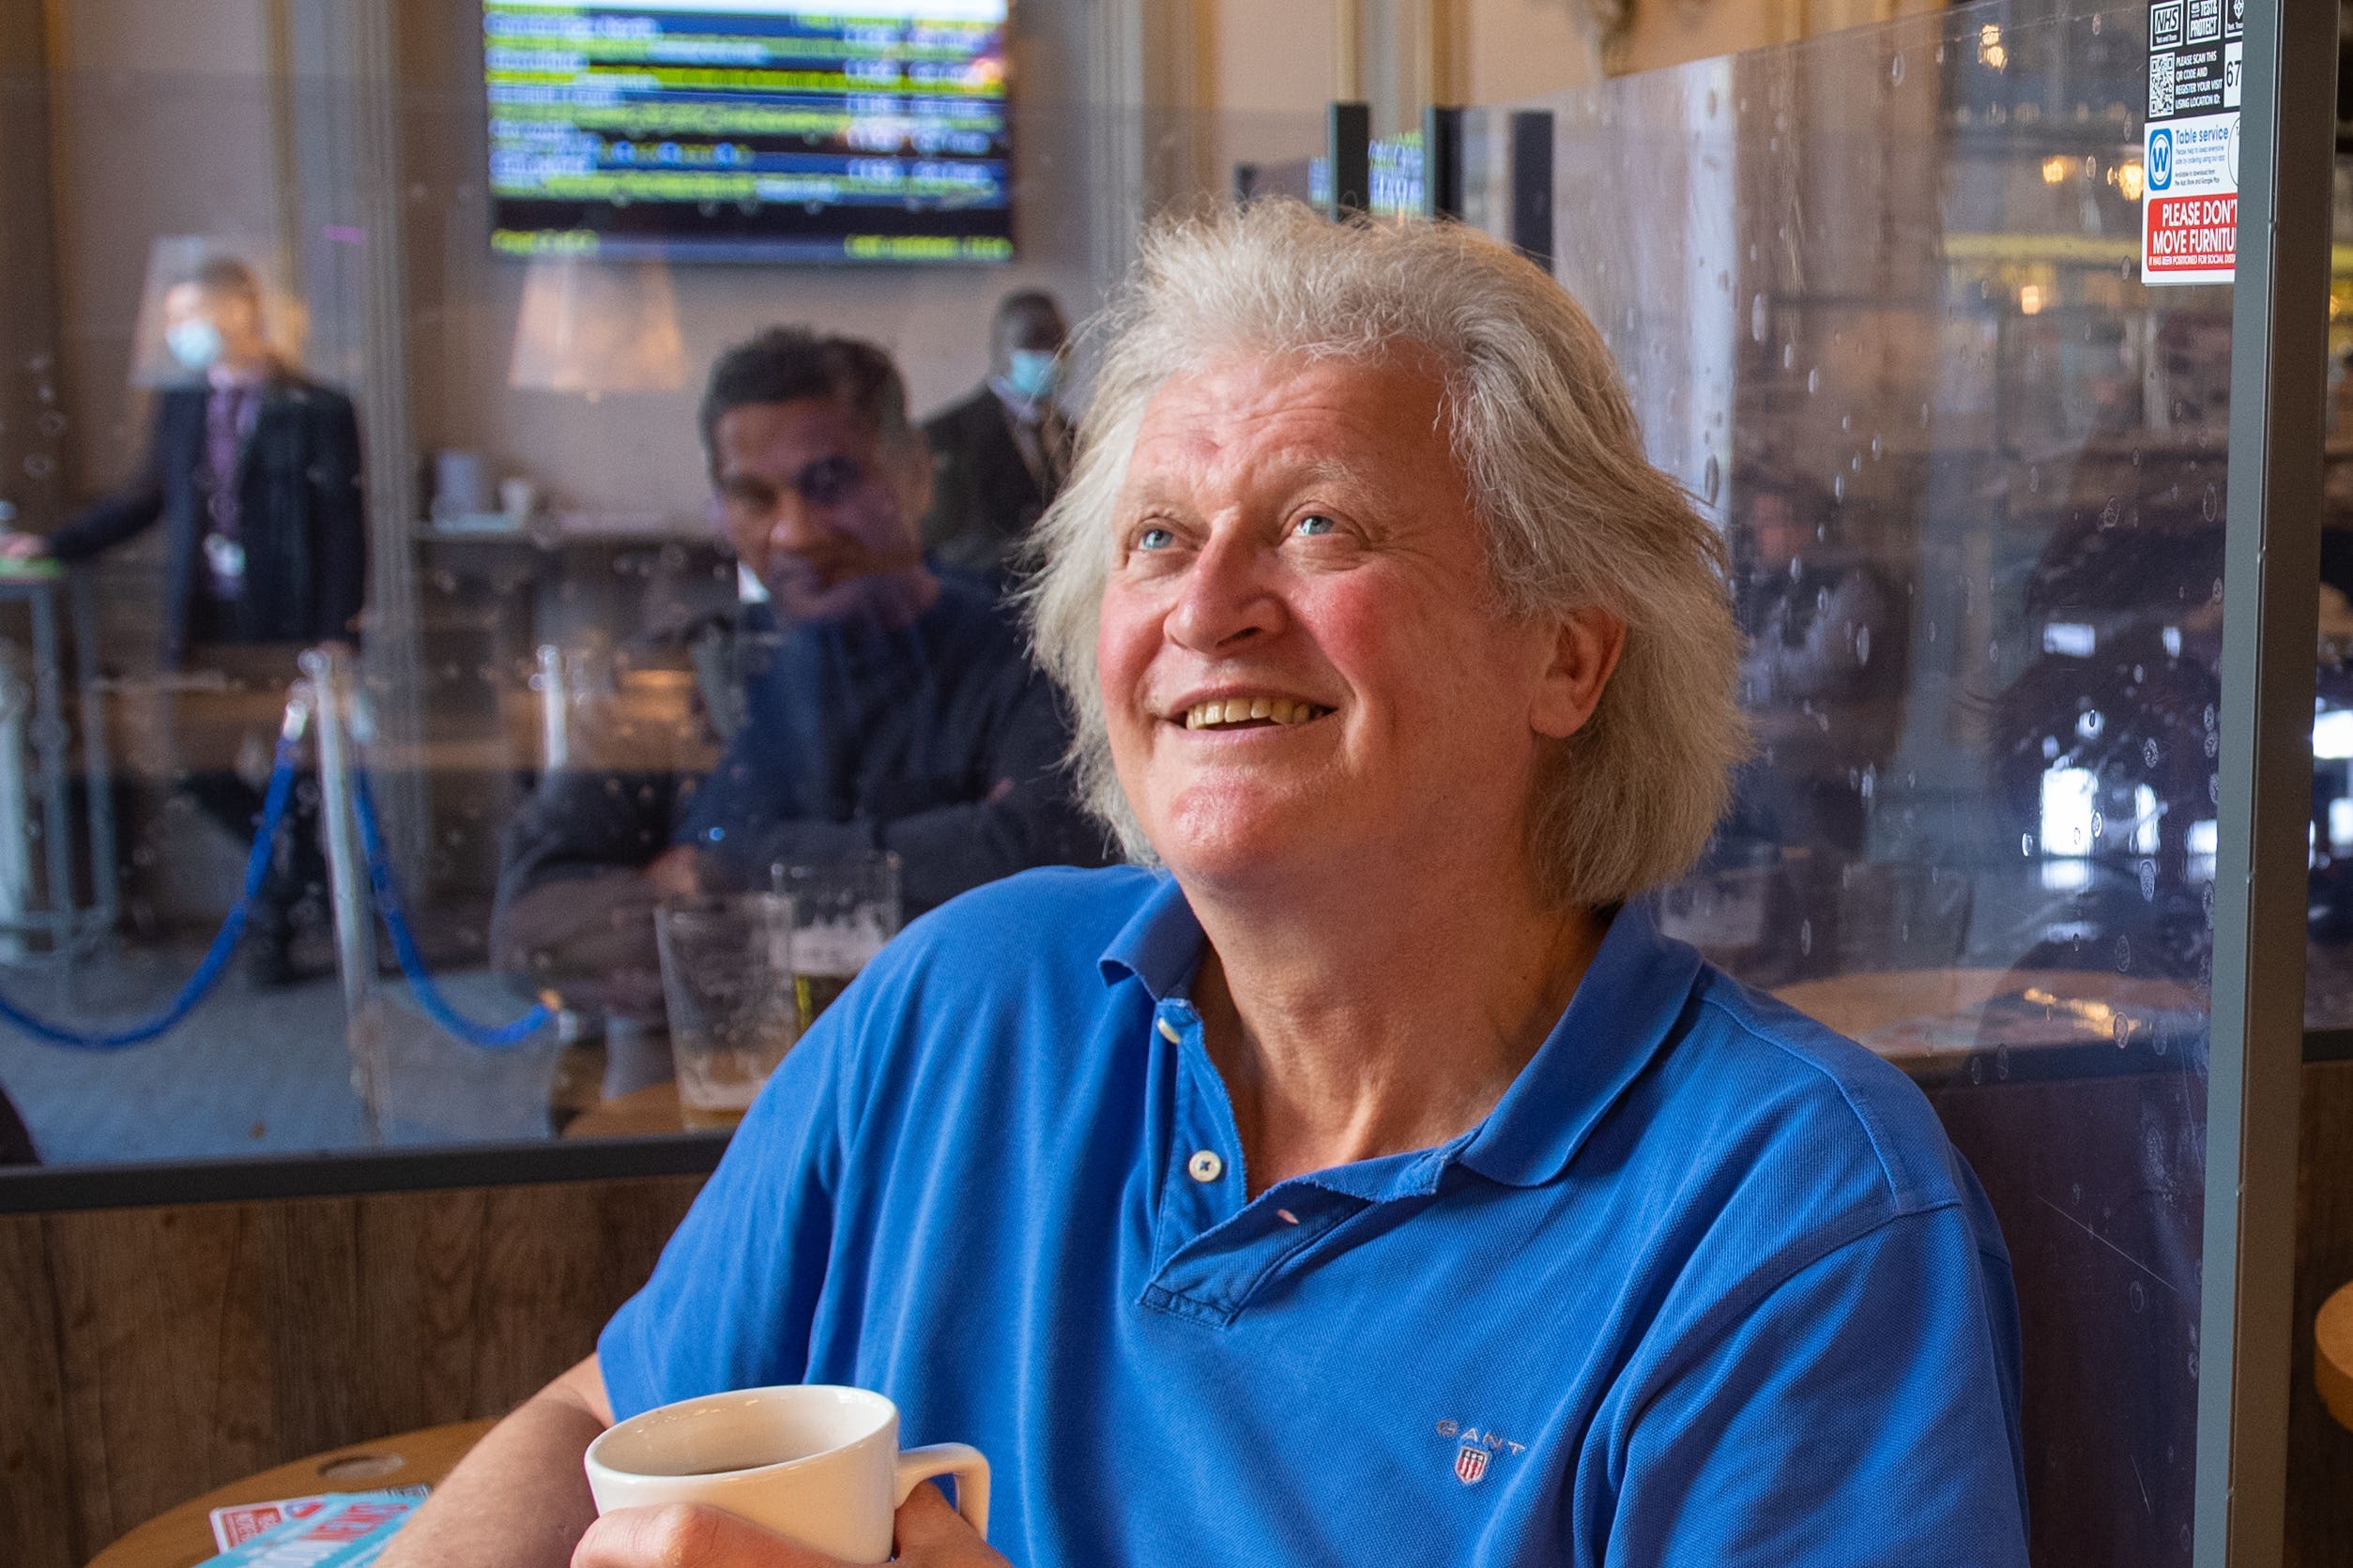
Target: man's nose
x,y
794,527
1227,597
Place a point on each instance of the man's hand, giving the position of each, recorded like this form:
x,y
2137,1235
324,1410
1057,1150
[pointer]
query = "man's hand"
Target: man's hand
x,y
22,547
675,874
931,1534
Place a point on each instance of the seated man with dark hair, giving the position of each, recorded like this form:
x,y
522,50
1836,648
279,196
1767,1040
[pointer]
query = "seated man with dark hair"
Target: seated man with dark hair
x,y
886,706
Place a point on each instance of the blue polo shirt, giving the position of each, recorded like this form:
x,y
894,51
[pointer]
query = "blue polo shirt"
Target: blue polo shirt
x,y
1708,1287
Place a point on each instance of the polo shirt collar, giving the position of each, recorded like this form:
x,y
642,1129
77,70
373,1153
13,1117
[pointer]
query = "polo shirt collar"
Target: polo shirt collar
x,y
1626,1006
1160,945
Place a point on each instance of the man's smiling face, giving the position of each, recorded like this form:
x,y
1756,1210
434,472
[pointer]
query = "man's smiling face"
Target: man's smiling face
x,y
1302,657
818,506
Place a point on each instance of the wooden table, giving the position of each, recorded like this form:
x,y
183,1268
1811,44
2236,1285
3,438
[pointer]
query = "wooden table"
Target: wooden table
x,y
646,1113
1863,1004
2332,1357
183,1537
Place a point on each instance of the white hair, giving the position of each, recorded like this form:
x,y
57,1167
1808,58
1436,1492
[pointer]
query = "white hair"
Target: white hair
x,y
1574,516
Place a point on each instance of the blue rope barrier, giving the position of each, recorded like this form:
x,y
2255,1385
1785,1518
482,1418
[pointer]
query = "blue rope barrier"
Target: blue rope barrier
x,y
412,961
216,957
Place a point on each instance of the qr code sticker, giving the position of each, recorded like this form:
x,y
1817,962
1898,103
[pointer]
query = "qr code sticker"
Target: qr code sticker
x,y
2160,85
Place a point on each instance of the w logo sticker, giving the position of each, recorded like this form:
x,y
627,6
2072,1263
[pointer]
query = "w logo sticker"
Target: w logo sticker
x,y
1470,1463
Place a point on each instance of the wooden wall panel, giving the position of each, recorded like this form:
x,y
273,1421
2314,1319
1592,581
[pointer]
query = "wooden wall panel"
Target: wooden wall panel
x,y
150,1354
35,1464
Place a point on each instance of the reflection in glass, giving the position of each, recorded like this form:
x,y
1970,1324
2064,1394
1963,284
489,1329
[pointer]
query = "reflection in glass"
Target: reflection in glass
x,y
1879,298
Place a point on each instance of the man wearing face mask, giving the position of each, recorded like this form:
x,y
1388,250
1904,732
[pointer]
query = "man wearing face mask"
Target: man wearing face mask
x,y
255,472
1000,457
885,704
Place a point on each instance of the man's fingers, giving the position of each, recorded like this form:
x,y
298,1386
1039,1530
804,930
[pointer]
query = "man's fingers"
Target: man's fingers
x,y
928,1522
687,1535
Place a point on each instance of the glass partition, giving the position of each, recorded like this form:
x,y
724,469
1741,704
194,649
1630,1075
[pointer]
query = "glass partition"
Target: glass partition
x,y
1879,298
291,400
2328,955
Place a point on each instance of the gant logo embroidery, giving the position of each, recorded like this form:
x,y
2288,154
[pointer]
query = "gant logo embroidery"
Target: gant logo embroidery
x,y
1476,1451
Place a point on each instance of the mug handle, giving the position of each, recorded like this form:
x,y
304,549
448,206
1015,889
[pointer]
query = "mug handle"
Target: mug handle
x,y
967,1464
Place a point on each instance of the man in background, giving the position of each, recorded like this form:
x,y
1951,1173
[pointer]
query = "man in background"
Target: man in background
x,y
254,470
1000,457
885,706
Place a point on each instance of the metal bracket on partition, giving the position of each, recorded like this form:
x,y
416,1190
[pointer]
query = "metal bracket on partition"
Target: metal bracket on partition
x,y
1348,148
1532,185
329,674
1442,162
2272,511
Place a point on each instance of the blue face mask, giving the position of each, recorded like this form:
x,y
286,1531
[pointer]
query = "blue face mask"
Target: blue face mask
x,y
1034,372
195,344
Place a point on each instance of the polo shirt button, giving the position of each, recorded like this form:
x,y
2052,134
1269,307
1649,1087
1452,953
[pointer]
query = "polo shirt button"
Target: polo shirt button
x,y
1168,1032
1204,1165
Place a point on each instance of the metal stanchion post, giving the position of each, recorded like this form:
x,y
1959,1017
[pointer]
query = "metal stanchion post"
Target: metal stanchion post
x,y
554,710
16,797
330,675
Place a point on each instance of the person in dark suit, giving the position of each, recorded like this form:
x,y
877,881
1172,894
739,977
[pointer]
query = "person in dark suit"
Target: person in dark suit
x,y
999,456
254,471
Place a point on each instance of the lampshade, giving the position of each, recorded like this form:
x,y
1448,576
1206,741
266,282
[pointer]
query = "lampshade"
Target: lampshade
x,y
595,328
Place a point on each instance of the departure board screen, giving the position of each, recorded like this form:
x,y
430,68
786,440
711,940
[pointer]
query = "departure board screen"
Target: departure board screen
x,y
749,131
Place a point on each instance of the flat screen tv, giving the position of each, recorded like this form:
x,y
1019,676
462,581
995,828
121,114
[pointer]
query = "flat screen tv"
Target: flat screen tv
x,y
867,130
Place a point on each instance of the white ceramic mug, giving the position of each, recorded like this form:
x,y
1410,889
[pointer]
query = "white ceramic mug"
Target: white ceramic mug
x,y
816,1463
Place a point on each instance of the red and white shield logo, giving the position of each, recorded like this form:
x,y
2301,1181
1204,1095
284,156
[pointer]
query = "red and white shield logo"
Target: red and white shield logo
x,y
1470,1463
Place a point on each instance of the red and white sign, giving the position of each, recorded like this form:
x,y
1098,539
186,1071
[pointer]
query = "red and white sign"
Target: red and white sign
x,y
2190,209
2190,234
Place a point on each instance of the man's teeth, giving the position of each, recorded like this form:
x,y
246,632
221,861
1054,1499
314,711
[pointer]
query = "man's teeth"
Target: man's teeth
x,y
1240,710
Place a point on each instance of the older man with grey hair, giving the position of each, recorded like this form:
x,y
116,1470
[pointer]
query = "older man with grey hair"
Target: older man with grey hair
x,y
1362,1178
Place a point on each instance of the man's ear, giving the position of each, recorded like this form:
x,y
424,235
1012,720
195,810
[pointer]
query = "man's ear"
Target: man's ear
x,y
1585,652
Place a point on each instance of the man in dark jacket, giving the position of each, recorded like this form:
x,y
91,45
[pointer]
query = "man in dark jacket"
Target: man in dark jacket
x,y
886,706
999,458
254,473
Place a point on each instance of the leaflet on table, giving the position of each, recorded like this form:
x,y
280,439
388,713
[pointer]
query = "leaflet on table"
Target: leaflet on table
x,y
234,1526
346,1531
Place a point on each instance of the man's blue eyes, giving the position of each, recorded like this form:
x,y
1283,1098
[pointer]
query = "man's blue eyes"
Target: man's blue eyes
x,y
1313,525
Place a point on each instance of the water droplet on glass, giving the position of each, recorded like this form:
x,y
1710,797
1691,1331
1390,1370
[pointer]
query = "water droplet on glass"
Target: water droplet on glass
x,y
1758,319
1789,356
1814,380
1711,480
2212,503
1895,69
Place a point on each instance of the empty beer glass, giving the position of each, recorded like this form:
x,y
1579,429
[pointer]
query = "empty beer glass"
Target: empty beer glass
x,y
727,981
